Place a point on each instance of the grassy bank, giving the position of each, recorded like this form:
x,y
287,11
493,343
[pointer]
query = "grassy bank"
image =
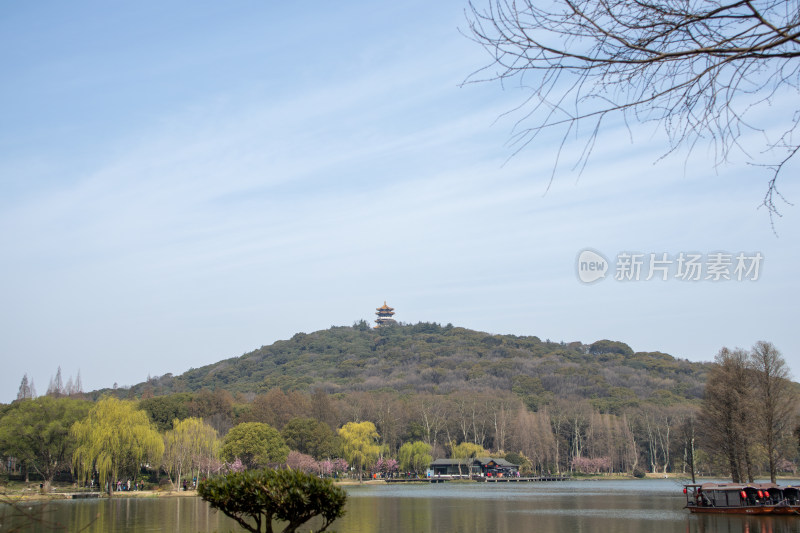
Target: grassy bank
x,y
16,491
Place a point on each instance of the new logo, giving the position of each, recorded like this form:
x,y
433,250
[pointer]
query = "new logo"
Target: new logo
x,y
591,266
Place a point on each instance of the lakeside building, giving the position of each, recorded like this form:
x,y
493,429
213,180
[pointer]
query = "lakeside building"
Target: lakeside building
x,y
477,466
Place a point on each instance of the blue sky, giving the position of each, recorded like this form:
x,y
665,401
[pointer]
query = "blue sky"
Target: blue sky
x,y
184,182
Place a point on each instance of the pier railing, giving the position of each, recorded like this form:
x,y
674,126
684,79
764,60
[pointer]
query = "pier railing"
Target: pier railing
x,y
478,478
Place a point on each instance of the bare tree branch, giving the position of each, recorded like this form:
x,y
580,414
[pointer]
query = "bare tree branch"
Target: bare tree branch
x,y
702,70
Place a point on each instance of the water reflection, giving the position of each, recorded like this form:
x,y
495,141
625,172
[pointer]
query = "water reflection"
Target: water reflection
x,y
742,524
118,514
585,507
511,508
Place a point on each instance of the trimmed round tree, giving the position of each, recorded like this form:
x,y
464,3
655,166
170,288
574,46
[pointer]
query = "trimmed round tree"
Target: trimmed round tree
x,y
255,498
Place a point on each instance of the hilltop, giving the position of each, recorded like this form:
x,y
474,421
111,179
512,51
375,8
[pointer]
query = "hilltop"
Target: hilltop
x,y
428,357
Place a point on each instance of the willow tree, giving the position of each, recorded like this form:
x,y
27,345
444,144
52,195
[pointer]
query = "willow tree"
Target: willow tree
x,y
115,438
706,71
464,451
360,444
415,456
188,446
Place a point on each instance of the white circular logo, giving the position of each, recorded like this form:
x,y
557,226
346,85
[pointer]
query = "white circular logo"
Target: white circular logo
x,y
592,266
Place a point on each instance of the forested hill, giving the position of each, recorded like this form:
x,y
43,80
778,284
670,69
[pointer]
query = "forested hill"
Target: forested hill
x,y
427,357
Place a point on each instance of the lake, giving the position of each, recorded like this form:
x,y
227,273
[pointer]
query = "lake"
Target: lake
x,y
654,506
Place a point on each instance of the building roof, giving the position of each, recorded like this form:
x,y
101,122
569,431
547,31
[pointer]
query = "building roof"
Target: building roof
x,y
474,460
498,462
445,462
385,307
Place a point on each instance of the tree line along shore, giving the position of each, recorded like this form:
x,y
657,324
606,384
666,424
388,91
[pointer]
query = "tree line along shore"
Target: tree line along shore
x,y
551,408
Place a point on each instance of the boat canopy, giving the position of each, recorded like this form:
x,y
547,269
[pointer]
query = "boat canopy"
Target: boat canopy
x,y
756,498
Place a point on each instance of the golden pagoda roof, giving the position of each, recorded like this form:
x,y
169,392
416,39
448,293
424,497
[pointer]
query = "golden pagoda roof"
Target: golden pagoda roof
x,y
385,307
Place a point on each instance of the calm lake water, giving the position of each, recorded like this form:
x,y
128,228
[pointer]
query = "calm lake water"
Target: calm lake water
x,y
582,506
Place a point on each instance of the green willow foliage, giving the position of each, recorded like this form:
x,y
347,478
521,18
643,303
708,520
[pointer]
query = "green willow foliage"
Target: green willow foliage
x,y
415,456
257,497
359,444
189,446
115,438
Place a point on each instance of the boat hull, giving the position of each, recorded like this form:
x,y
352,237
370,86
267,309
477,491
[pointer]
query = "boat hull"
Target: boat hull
x,y
742,499
750,510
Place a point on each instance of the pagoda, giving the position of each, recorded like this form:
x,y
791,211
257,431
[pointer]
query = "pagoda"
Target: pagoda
x,y
384,313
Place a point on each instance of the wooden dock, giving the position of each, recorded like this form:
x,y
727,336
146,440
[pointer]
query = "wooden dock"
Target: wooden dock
x,y
480,479
514,479
420,480
433,479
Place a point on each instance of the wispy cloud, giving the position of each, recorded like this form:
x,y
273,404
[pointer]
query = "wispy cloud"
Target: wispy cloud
x,y
206,226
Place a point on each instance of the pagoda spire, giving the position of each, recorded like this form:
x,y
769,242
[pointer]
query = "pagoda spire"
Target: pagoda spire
x,y
385,314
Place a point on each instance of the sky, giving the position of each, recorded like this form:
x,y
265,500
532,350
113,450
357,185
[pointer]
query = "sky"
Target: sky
x,y
185,182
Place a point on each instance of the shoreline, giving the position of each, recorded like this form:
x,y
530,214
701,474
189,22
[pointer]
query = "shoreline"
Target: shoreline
x,y
31,492
30,496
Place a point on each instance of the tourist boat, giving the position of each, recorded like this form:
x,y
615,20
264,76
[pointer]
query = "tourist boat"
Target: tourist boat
x,y
738,498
